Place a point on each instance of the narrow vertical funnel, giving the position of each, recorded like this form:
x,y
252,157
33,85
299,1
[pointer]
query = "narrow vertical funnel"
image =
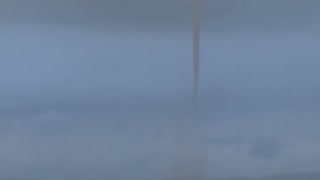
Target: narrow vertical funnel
x,y
189,162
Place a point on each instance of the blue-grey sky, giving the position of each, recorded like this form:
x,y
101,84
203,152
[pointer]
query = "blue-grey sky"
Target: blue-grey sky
x,y
90,101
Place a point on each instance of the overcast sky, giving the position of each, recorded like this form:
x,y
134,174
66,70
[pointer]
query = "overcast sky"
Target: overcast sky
x,y
98,101
218,15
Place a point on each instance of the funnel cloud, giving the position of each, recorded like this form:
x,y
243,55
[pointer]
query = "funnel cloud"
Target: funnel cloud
x,y
97,89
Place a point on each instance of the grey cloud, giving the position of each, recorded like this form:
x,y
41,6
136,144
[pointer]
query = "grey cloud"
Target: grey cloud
x,y
218,15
